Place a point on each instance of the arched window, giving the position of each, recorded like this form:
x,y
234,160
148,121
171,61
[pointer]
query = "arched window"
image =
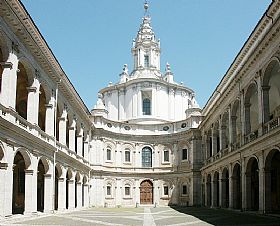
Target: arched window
x,y
109,154
146,106
127,155
146,61
147,157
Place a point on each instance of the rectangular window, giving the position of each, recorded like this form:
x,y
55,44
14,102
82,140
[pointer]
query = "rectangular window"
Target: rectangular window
x,y
165,190
127,191
108,190
184,154
184,192
108,154
166,156
127,156
146,61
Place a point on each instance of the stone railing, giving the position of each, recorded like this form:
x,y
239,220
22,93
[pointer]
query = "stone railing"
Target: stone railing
x,y
12,116
272,124
251,137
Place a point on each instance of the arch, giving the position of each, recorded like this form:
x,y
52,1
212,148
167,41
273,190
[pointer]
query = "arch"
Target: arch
x,y
18,201
252,184
251,109
271,90
208,190
42,109
146,157
41,170
225,188
236,186
146,192
26,156
272,181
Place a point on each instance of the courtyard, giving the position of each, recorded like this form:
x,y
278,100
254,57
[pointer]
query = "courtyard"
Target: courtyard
x,y
145,216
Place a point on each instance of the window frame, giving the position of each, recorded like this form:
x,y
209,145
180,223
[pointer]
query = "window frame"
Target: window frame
x,y
184,186
125,156
168,156
185,158
165,188
146,61
146,106
150,157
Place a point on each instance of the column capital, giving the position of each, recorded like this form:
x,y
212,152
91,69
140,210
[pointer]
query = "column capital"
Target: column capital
x,y
31,89
3,165
6,65
265,88
49,106
29,172
48,175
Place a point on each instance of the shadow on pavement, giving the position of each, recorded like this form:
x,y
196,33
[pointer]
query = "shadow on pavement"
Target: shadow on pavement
x,y
228,217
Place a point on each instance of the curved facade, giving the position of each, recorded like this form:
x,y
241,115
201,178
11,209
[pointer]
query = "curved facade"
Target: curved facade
x,y
146,142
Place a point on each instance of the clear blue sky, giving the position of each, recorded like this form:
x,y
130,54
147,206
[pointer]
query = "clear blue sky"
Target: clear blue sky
x,y
92,38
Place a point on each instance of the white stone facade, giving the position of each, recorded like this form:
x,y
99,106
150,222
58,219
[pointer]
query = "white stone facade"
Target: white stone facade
x,y
146,141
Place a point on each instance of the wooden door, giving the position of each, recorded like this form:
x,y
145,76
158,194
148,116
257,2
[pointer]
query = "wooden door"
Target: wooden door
x,y
146,192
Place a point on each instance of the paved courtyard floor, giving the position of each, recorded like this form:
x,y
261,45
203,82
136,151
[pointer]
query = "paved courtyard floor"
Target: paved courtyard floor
x,y
147,216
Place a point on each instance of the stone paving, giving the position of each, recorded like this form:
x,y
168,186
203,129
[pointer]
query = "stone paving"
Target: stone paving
x,y
146,216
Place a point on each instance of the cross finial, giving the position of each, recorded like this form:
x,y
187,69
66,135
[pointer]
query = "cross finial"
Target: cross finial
x,y
146,7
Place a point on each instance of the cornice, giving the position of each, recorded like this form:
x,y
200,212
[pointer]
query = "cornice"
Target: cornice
x,y
142,80
255,39
25,29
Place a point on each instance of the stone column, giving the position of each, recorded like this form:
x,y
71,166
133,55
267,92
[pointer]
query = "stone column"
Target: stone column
x,y
214,192
243,184
30,205
242,117
48,196
72,140
9,81
33,104
62,130
261,184
233,130
62,193
247,118
230,187
118,194
137,191
220,181
86,145
49,124
229,129
71,194
80,143
265,97
79,195
156,188
139,103
260,103
86,195
214,141
5,207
